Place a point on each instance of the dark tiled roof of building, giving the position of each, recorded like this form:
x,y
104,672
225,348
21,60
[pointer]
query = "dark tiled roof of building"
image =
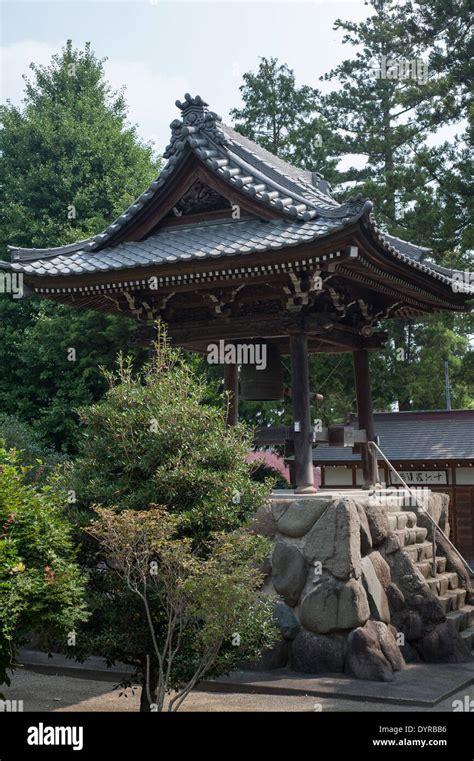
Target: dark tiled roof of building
x,y
414,436
185,242
302,198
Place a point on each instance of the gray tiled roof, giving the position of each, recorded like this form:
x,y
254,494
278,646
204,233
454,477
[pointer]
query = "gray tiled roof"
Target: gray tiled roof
x,y
301,197
185,242
238,161
404,436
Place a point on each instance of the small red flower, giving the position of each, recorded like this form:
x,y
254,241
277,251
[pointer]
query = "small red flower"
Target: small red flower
x,y
49,574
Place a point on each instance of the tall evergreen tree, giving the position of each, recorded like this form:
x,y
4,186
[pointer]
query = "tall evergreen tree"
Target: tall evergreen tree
x,y
70,164
284,118
383,111
372,109
394,91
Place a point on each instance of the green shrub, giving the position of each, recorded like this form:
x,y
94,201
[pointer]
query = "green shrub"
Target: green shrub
x,y
30,447
152,439
155,440
41,587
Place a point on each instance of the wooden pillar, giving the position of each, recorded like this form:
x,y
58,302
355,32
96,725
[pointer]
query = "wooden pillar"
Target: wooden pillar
x,y
365,414
231,387
302,430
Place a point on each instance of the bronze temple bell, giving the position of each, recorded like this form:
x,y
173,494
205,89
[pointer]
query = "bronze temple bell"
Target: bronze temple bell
x,y
260,380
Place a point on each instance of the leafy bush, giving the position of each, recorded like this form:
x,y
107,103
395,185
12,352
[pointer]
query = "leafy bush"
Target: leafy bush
x,y
192,605
30,447
41,587
154,440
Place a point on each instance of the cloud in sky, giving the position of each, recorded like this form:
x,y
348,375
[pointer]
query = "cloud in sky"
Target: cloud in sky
x,y
150,96
144,86
15,60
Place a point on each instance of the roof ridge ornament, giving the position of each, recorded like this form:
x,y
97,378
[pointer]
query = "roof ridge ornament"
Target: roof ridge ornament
x,y
195,117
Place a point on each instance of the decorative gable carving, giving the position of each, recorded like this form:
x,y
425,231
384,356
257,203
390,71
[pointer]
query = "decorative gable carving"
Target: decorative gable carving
x,y
198,199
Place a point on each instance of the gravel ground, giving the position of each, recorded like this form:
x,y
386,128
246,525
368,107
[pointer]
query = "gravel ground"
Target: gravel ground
x,y
41,692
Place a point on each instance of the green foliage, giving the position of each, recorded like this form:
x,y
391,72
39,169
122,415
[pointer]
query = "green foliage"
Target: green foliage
x,y
70,164
444,28
368,113
41,587
152,439
192,605
38,383
30,448
155,440
284,118
88,162
421,193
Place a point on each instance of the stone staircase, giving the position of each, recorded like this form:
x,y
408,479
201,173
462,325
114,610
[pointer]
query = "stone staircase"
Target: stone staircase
x,y
443,584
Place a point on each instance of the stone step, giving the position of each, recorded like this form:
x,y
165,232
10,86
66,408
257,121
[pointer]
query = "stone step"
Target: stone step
x,y
426,569
452,600
409,536
461,597
442,582
469,610
424,550
463,618
397,506
392,521
400,519
419,551
453,579
468,636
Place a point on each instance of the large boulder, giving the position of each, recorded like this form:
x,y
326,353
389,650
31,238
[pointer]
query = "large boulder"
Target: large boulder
x,y
365,659
410,653
334,540
381,568
395,597
428,607
406,575
388,644
301,515
318,653
279,506
391,544
286,620
410,623
376,596
263,522
289,572
443,644
365,536
378,521
373,653
334,605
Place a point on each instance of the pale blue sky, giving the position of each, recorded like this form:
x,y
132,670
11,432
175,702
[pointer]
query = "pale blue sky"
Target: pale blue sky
x,y
160,50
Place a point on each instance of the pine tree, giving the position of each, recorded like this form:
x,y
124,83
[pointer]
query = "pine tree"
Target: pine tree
x,y
70,164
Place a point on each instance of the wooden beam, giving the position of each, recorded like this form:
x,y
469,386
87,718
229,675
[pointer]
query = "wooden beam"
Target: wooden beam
x,y
365,415
319,328
302,429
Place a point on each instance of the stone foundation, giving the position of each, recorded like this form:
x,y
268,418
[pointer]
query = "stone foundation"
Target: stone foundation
x,y
352,577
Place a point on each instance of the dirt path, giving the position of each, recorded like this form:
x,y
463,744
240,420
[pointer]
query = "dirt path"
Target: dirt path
x,y
41,692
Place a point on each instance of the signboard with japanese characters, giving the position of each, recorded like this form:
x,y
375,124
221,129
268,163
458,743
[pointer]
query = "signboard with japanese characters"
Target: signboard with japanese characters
x,y
434,477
